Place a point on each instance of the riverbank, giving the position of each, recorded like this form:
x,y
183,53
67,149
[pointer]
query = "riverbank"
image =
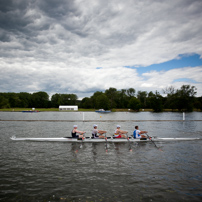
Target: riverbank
x,y
83,110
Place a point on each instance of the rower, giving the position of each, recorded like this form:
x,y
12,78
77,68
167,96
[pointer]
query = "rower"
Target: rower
x,y
138,134
74,131
95,132
119,133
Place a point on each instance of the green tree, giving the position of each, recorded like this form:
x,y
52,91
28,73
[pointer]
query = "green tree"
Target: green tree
x,y
171,98
63,99
14,100
4,102
102,102
142,96
68,99
155,101
56,100
112,94
134,104
40,99
86,103
130,92
185,98
198,103
94,98
123,99
73,99
25,99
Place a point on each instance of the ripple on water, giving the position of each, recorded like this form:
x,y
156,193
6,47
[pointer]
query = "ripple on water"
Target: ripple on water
x,y
33,171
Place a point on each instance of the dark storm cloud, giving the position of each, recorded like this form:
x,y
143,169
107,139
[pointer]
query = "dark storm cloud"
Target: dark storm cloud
x,y
12,14
56,45
57,9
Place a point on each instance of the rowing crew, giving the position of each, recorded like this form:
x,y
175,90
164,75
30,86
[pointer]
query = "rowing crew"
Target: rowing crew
x,y
99,133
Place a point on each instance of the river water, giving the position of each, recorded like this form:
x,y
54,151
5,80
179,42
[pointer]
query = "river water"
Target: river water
x,y
56,171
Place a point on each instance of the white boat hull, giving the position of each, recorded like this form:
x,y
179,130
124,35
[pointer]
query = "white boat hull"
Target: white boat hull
x,y
63,139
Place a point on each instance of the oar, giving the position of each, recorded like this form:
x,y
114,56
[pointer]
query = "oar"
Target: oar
x,y
153,142
106,142
130,149
82,141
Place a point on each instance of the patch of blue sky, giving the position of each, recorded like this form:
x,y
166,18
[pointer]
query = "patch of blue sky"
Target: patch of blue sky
x,y
185,80
98,67
183,61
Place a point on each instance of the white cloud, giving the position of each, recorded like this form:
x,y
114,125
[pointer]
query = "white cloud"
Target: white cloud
x,y
56,46
163,79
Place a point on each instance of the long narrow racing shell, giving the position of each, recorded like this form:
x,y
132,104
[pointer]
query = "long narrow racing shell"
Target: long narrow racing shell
x,y
109,139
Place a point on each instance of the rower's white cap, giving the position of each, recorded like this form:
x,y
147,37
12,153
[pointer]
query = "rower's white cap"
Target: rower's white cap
x,y
94,125
118,126
75,126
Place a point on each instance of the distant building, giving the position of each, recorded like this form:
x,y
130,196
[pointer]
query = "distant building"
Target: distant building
x,y
68,107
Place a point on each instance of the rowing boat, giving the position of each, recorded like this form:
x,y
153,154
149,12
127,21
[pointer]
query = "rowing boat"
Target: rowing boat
x,y
103,111
109,139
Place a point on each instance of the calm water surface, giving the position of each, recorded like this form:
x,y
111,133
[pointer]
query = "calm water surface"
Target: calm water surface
x,y
56,171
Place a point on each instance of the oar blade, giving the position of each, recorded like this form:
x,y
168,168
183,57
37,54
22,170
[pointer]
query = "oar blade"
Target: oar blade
x,y
153,142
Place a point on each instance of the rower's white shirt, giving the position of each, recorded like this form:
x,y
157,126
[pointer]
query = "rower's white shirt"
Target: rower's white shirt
x,y
95,131
116,133
137,134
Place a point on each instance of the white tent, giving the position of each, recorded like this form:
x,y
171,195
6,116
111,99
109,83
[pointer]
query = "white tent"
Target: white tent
x,y
68,107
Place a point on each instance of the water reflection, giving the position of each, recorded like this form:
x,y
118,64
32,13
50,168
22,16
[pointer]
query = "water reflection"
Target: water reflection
x,y
74,148
94,151
119,146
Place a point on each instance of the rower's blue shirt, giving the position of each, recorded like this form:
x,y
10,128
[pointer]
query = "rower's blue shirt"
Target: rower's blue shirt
x,y
135,135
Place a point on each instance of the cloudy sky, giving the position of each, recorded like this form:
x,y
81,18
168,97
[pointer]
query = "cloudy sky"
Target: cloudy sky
x,y
83,46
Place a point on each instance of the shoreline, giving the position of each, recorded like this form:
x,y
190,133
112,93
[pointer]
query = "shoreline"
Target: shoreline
x,y
84,110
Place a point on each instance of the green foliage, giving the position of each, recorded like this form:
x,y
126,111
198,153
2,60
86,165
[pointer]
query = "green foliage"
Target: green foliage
x,y
102,102
25,99
182,99
142,96
185,98
63,99
155,101
198,103
4,102
86,103
56,100
40,99
134,104
93,99
123,99
130,92
112,95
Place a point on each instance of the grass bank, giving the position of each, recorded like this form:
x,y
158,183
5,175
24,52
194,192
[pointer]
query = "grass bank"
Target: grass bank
x,y
81,110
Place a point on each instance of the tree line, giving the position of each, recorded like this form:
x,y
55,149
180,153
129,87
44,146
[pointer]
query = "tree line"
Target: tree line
x,y
183,99
36,100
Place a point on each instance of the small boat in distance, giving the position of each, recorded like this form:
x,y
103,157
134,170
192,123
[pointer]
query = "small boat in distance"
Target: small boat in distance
x,y
102,111
31,111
